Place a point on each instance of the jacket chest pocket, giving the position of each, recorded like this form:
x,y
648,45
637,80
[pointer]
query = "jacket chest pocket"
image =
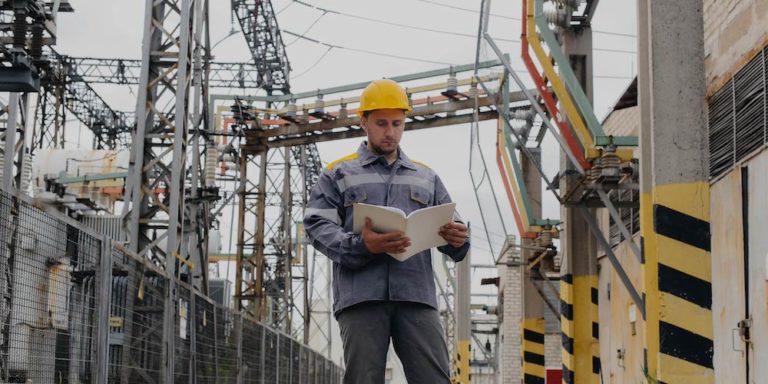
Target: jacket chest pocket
x,y
420,197
354,195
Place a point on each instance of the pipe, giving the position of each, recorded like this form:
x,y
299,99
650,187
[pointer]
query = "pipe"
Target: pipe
x,y
581,100
558,86
565,130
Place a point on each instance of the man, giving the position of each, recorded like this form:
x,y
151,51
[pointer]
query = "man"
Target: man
x,y
377,297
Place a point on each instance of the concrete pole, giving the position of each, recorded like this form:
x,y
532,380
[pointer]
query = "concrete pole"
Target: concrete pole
x,y
578,284
675,201
463,320
532,344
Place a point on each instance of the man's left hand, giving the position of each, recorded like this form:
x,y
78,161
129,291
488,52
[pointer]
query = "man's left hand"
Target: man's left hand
x,y
456,234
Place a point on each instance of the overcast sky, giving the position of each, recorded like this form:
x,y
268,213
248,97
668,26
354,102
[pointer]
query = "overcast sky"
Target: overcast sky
x,y
113,28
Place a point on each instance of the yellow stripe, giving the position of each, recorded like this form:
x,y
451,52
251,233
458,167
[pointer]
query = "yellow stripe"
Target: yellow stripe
x,y
677,371
687,315
530,346
420,163
343,159
691,199
683,257
566,327
557,84
568,360
535,370
584,344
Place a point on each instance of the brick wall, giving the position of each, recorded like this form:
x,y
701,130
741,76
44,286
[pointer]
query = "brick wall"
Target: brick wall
x,y
511,288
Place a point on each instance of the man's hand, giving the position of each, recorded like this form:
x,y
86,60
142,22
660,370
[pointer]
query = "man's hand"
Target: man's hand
x,y
456,234
392,242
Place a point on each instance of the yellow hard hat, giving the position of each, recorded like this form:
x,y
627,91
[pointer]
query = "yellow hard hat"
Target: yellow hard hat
x,y
383,94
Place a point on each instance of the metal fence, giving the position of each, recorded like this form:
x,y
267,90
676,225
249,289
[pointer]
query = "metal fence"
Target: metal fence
x,y
76,307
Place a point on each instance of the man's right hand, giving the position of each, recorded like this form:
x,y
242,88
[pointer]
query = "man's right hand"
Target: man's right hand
x,y
392,242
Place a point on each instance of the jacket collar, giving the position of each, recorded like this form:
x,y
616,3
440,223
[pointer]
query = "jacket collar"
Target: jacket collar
x,y
367,157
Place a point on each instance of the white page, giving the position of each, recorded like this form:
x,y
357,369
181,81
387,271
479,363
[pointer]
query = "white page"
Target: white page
x,y
385,219
422,226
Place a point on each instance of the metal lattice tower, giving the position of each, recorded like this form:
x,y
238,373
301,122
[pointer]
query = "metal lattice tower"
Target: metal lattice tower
x,y
167,110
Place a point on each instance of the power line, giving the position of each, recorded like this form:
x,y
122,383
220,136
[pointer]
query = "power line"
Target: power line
x,y
314,64
369,52
514,18
417,28
308,28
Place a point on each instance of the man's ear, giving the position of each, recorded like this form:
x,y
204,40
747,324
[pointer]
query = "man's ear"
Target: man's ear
x,y
364,124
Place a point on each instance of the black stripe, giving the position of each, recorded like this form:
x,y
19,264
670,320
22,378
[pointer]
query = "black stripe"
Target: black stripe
x,y
533,358
595,330
681,227
567,278
530,379
685,286
594,295
533,336
642,250
567,343
566,310
595,365
685,345
567,375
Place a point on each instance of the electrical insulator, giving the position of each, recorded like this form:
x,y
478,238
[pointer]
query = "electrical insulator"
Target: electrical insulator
x,y
26,173
452,84
473,90
343,113
571,4
595,172
558,17
610,164
522,114
319,104
211,164
292,109
545,239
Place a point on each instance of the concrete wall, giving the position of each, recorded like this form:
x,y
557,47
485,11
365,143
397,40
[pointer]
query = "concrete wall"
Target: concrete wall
x,y
734,30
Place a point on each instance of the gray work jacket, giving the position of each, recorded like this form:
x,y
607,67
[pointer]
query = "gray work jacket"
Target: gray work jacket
x,y
359,275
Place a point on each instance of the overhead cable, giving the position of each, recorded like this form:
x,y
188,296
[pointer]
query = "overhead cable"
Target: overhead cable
x,y
439,4
308,28
327,51
417,28
369,52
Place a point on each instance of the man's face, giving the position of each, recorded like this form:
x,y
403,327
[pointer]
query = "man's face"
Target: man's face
x,y
384,128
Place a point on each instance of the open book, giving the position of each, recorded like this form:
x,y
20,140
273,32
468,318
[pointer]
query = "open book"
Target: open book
x,y
421,226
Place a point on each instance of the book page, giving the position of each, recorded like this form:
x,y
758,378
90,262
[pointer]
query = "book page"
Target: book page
x,y
423,228
385,219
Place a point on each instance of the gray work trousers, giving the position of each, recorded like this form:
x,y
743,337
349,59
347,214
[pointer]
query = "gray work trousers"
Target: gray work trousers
x,y
416,334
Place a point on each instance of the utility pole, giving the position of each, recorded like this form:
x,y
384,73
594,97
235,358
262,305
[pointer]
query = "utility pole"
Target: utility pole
x,y
674,202
578,283
463,321
533,352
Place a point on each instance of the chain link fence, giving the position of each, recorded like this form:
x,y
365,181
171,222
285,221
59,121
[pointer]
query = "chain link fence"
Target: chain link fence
x,y
77,307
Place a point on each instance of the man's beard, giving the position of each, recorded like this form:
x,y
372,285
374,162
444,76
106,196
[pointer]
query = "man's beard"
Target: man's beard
x,y
379,151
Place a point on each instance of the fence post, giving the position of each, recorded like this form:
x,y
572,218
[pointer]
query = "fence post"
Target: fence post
x,y
102,320
192,327
239,341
